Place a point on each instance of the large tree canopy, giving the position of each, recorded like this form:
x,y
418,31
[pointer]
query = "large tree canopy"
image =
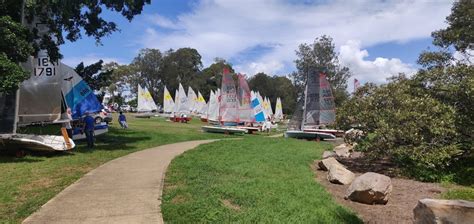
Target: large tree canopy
x,y
65,19
321,56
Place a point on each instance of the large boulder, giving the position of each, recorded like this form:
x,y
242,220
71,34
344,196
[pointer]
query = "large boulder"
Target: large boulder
x,y
325,163
370,188
444,211
338,174
343,150
327,154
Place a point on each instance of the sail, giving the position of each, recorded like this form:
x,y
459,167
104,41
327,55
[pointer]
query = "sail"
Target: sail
x,y
77,94
260,100
176,101
257,108
327,114
201,106
229,106
245,107
278,110
192,100
213,109
320,107
168,103
182,101
40,95
145,101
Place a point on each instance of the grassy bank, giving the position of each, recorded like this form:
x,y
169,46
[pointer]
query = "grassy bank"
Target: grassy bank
x,y
254,180
29,182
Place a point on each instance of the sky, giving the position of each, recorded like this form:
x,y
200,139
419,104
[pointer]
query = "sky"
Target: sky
x,y
375,39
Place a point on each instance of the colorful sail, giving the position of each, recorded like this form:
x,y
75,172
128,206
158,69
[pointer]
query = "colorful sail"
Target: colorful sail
x,y
245,108
145,101
201,106
257,108
327,114
229,106
260,100
168,103
78,96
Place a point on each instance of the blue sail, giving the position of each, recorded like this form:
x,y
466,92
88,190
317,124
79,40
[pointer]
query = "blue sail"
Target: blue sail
x,y
79,96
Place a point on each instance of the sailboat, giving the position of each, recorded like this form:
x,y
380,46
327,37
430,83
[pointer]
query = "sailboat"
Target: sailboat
x,y
278,110
318,110
146,104
78,96
168,103
38,101
181,109
228,107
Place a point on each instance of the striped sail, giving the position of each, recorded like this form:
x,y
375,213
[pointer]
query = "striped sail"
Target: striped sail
x,y
145,101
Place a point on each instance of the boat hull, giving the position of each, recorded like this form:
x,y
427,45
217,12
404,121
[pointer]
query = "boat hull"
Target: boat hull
x,y
337,133
309,135
42,143
98,130
223,130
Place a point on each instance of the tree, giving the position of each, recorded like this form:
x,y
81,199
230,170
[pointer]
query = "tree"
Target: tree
x,y
65,19
146,69
210,78
95,76
321,56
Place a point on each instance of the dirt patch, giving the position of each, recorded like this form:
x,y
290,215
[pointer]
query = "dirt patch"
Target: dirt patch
x,y
179,199
399,209
227,203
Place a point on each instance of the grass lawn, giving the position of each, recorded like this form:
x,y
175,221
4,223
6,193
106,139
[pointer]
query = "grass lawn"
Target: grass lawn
x,y
29,182
253,180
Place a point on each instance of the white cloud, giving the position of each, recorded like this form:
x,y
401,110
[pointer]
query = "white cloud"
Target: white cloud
x,y
378,70
89,59
226,28
161,21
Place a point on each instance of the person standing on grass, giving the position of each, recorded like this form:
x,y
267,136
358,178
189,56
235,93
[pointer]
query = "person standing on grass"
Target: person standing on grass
x,y
122,120
88,129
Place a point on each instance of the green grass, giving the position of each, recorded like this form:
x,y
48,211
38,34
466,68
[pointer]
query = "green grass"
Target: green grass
x,y
29,182
464,193
254,180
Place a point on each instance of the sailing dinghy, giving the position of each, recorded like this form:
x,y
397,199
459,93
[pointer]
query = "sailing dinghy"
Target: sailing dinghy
x,y
227,108
319,110
146,104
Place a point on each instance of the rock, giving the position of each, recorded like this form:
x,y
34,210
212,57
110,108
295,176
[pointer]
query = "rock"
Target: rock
x,y
370,188
324,164
338,174
327,154
356,155
343,150
444,211
353,135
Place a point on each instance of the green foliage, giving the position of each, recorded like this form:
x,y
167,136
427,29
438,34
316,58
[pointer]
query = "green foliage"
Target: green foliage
x,y
10,74
95,76
321,56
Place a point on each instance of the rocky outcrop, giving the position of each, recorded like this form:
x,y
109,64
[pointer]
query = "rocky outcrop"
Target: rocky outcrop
x,y
338,174
325,163
370,188
327,154
444,211
343,150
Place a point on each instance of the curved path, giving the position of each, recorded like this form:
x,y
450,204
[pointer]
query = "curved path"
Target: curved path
x,y
124,190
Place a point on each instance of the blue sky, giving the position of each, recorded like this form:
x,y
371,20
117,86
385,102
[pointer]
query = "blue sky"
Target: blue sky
x,y
375,39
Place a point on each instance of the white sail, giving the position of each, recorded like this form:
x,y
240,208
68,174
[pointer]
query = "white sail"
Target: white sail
x,y
201,104
182,101
192,100
145,101
260,99
213,110
278,110
176,100
168,103
246,113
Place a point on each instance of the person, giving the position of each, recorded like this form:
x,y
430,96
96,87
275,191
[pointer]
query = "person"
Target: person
x,y
122,120
88,129
67,124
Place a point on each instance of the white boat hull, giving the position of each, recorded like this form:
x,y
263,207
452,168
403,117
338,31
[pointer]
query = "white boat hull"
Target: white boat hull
x,y
223,130
45,143
309,135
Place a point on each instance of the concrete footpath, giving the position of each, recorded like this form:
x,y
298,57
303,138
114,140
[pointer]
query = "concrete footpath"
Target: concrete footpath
x,y
124,190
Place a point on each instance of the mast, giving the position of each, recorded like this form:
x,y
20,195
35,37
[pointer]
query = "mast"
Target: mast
x,y
305,98
17,94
